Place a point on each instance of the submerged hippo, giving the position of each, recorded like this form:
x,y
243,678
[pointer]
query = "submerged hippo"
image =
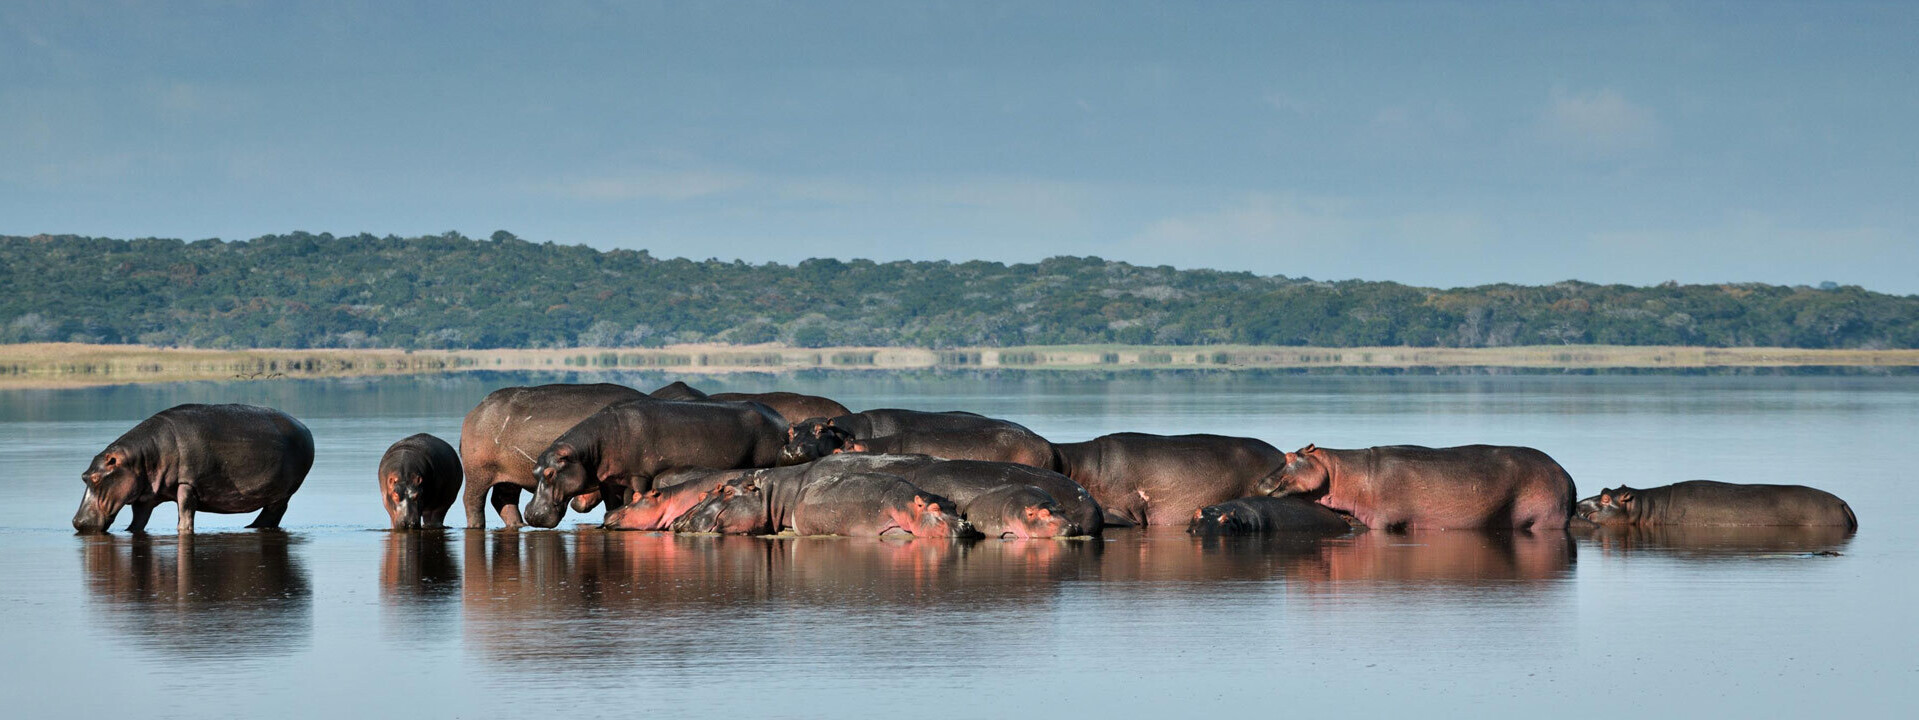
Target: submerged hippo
x,y
216,458
953,435
419,479
1143,479
506,430
619,449
1261,515
1407,486
1709,503
862,504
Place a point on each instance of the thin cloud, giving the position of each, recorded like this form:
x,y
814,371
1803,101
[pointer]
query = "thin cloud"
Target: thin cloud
x,y
1601,120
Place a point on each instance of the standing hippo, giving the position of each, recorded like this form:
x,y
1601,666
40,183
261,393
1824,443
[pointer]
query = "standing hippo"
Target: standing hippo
x,y
1143,479
619,449
505,431
794,407
419,479
860,504
1709,503
1261,515
1061,507
217,458
952,435
1407,486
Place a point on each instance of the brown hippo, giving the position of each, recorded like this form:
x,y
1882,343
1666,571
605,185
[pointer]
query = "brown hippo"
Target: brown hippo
x,y
861,504
1261,515
217,458
506,430
419,479
1145,479
999,498
619,449
674,492
1407,486
677,390
952,435
794,407
1710,503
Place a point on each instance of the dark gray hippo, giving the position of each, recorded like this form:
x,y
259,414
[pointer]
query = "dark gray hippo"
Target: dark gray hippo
x,y
419,480
1711,503
216,458
1261,515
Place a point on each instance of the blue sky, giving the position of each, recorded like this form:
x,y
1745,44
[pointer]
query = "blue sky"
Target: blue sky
x,y
1430,143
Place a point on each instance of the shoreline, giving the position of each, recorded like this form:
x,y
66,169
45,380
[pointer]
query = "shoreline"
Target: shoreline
x,y
64,365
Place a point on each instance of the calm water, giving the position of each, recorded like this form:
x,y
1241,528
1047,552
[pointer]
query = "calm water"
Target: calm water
x,y
337,618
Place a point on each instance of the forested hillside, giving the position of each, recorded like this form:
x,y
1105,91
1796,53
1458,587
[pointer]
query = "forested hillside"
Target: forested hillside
x,y
449,291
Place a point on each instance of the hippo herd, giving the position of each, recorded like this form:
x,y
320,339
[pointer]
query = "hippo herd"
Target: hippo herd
x,y
678,459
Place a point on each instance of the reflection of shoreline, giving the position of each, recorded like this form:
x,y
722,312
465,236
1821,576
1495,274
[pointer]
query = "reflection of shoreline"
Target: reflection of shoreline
x,y
53,365
201,597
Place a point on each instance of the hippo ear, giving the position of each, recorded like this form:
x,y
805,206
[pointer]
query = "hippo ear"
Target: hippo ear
x,y
652,494
933,508
1309,448
1625,496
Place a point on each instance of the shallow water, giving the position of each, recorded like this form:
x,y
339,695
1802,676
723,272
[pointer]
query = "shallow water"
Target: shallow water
x,y
335,617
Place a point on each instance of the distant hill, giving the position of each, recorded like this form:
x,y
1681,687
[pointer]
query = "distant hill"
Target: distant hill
x,y
449,291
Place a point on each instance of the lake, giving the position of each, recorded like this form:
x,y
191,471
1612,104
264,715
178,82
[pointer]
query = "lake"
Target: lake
x,y
337,617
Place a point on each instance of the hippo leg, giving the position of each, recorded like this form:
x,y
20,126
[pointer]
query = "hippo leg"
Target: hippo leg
x,y
474,496
139,522
506,502
434,518
269,518
188,503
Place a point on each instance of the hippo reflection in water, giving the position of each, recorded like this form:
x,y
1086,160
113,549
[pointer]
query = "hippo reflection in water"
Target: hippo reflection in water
x,y
204,597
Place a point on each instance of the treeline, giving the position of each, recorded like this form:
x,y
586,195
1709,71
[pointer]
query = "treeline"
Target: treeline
x,y
449,291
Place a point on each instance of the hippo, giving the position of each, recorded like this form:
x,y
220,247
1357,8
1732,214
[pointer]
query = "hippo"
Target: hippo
x,y
419,479
503,433
1143,479
1262,515
1710,503
619,449
860,504
953,435
678,390
216,458
1406,486
1061,506
674,492
794,407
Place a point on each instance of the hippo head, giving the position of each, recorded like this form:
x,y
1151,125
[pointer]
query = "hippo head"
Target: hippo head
x,y
561,473
650,510
928,516
731,509
1044,520
1609,507
402,496
1213,520
810,440
1303,473
112,480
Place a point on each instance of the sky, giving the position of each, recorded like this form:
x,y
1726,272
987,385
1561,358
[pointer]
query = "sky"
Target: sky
x,y
1431,143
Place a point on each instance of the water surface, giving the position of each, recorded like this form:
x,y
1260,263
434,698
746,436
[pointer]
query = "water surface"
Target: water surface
x,y
337,617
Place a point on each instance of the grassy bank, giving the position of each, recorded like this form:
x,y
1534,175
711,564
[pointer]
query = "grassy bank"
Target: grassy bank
x,y
72,364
